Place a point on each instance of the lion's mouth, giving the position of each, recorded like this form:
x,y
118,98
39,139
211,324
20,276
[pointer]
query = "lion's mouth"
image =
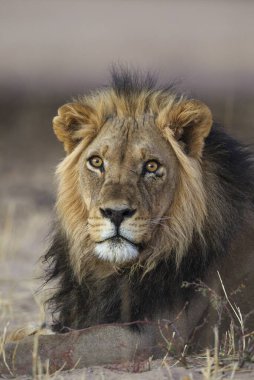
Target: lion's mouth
x,y
117,239
116,249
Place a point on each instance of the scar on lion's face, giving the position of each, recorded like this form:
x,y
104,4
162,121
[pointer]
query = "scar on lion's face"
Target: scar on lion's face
x,y
128,179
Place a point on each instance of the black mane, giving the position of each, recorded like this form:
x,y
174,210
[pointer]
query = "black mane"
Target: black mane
x,y
127,82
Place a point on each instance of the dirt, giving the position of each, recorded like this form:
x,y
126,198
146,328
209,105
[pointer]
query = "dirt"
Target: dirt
x,y
29,155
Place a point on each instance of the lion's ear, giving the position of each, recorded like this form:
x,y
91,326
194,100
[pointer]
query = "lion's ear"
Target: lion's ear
x,y
69,126
191,122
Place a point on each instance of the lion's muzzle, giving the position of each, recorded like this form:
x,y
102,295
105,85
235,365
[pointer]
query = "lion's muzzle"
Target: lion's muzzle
x,y
117,241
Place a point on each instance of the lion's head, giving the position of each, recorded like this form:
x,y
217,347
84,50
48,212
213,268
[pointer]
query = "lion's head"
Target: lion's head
x,y
130,187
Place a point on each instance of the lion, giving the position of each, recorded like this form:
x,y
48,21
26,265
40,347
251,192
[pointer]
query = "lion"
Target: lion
x,y
153,199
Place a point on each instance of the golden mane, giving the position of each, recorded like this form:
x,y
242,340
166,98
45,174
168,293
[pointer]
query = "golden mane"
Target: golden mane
x,y
188,211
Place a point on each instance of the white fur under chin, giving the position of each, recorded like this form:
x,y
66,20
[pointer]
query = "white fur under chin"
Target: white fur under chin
x,y
116,251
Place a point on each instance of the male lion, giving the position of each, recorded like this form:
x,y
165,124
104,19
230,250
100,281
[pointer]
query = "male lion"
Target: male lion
x,y
152,195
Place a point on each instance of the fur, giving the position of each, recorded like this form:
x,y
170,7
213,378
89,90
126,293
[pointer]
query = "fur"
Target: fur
x,y
213,193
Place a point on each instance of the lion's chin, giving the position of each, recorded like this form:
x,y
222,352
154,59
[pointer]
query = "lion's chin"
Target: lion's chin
x,y
116,250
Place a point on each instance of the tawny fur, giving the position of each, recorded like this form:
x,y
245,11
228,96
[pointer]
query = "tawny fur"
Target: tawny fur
x,y
190,219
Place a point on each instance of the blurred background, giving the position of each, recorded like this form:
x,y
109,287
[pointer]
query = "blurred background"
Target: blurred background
x,y
53,50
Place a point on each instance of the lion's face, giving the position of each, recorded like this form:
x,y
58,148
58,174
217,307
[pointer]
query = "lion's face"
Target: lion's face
x,y
127,181
130,187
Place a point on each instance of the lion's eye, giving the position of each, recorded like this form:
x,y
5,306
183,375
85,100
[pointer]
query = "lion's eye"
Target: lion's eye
x,y
96,162
151,166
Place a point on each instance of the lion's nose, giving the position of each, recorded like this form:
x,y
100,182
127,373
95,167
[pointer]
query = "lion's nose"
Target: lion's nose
x,y
117,215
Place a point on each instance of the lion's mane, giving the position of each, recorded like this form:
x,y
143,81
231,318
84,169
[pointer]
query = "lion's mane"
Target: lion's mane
x,y
214,194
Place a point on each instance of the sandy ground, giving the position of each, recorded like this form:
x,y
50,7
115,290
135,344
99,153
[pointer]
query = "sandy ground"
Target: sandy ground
x,y
158,370
29,155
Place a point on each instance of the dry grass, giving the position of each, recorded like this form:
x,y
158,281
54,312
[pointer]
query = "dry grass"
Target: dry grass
x,y
236,349
19,303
